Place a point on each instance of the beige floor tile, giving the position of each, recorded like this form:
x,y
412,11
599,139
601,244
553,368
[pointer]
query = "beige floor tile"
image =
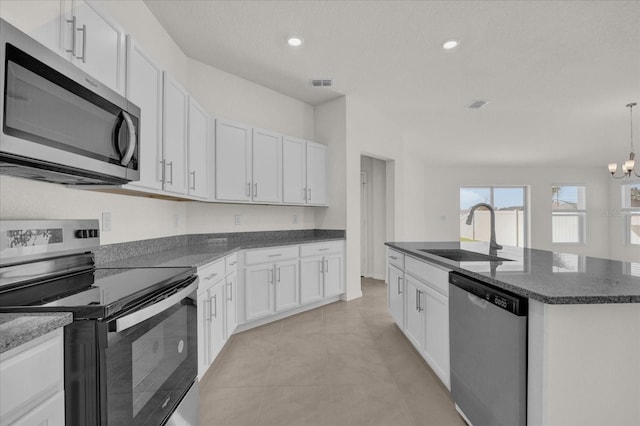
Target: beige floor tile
x,y
241,371
299,370
230,406
344,323
306,323
297,406
303,344
380,405
366,367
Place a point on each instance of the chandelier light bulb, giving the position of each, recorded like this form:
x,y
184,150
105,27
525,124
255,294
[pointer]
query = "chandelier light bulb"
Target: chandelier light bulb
x,y
613,167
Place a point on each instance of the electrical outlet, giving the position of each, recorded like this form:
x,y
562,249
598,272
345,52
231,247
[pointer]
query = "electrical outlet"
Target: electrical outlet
x,y
295,218
237,219
106,221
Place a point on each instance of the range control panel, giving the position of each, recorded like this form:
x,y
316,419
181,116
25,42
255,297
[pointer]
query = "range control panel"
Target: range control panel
x,y
22,240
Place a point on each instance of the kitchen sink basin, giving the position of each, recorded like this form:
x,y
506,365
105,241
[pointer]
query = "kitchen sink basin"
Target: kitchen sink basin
x,y
459,255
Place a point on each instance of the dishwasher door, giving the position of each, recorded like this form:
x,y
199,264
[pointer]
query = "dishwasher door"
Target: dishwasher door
x,y
488,342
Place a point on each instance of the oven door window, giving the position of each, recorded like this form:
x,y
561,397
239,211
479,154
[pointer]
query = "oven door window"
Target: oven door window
x,y
150,365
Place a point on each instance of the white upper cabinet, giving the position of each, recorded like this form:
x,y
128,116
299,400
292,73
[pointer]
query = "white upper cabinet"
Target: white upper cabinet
x,y
175,108
198,136
294,170
267,166
96,43
233,161
39,20
144,88
316,173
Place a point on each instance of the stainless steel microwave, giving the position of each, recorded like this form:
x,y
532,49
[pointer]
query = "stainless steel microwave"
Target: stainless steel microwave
x,y
59,124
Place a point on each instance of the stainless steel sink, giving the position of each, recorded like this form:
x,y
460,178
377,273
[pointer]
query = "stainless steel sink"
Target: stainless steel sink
x,y
460,255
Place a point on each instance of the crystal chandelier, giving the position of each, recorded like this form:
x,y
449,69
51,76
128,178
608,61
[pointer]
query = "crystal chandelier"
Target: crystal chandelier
x,y
628,167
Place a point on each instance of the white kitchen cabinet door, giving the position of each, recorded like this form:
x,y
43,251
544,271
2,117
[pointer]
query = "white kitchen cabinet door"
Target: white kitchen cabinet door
x,y
316,173
436,347
414,312
175,107
294,171
48,413
286,285
311,279
231,297
198,148
258,291
333,275
144,89
203,332
216,330
267,166
233,161
395,296
39,20
100,44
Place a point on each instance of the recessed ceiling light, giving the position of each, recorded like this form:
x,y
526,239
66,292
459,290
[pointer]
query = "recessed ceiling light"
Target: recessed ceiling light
x,y
294,41
450,44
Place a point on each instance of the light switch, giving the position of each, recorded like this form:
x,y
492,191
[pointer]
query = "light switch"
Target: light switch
x,y
106,221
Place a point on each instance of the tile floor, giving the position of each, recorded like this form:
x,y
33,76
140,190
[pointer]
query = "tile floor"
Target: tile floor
x,y
343,364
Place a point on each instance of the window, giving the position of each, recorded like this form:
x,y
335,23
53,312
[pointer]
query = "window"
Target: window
x,y
509,203
568,210
631,210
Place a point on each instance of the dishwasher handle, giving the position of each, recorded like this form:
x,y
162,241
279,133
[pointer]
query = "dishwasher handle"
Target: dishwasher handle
x,y
503,299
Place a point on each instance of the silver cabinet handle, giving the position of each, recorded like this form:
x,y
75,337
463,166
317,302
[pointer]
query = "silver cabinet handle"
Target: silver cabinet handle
x,y
208,277
248,189
321,265
84,44
420,308
326,262
278,274
72,21
309,191
214,314
417,300
275,255
150,311
324,249
230,286
393,257
162,165
131,146
193,173
270,276
304,194
399,280
207,310
255,189
170,164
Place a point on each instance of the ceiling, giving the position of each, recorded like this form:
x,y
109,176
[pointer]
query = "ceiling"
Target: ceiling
x,y
557,73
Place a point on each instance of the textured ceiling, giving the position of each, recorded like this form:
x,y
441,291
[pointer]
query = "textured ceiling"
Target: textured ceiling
x,y
557,73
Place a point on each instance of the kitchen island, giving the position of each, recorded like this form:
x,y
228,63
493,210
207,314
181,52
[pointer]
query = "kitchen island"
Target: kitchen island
x,y
583,327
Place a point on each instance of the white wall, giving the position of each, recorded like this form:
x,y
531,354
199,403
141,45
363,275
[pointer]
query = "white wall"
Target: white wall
x,y
222,94
442,185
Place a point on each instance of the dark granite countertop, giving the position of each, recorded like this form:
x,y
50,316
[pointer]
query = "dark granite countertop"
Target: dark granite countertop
x,y
199,253
549,277
19,328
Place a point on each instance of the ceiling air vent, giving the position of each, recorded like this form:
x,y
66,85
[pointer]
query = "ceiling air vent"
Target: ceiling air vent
x,y
322,82
477,104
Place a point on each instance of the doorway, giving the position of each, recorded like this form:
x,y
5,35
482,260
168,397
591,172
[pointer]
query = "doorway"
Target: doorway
x,y
373,217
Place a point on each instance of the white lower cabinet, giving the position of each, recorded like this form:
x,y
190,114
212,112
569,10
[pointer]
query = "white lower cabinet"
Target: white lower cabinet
x,y
395,288
418,300
286,285
33,402
231,297
333,275
311,279
321,271
271,288
211,313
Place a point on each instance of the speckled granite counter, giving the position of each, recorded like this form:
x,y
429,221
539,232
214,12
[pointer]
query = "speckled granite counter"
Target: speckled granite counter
x,y
198,250
19,328
549,277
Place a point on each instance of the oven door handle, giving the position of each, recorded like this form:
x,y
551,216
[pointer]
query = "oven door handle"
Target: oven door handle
x,y
153,310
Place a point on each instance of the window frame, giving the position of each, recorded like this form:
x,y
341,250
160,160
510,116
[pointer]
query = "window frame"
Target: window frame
x,y
628,211
581,214
525,207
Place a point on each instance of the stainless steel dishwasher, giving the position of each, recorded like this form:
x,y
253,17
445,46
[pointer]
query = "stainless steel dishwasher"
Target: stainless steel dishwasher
x,y
488,343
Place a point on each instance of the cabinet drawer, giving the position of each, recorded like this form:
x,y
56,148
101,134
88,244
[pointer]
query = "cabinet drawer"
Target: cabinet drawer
x,y
230,263
211,274
30,375
436,277
395,258
275,254
321,248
